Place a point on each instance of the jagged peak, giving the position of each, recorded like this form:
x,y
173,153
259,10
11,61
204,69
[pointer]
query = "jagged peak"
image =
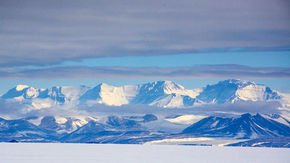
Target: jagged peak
x,y
103,86
164,84
246,115
249,115
237,82
21,87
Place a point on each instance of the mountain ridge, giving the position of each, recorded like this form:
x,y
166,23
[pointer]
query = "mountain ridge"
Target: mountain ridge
x,y
244,126
159,93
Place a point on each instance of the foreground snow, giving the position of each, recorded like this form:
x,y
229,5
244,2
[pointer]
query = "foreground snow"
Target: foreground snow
x,y
205,141
49,152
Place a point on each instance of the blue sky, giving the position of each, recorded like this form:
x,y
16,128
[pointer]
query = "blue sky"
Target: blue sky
x,y
254,59
192,42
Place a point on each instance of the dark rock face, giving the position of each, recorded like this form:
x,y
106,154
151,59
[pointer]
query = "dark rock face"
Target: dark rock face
x,y
48,123
245,126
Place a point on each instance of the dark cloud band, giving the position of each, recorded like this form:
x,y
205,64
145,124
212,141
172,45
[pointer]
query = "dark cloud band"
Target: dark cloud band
x,y
210,71
36,32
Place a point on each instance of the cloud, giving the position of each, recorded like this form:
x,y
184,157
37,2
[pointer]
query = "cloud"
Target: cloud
x,y
37,32
194,72
12,110
264,107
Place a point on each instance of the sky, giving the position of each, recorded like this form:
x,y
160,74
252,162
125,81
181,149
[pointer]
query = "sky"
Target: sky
x,y
191,42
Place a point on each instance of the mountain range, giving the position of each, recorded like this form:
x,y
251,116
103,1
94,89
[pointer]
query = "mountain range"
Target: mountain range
x,y
69,123
166,94
134,129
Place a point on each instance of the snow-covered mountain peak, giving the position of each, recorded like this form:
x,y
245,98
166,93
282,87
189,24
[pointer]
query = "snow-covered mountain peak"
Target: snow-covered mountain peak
x,y
164,94
173,88
256,93
20,87
236,90
238,82
37,98
109,95
158,93
170,86
149,92
164,85
21,92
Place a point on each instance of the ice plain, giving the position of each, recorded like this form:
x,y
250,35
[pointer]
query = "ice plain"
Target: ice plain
x,y
113,153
